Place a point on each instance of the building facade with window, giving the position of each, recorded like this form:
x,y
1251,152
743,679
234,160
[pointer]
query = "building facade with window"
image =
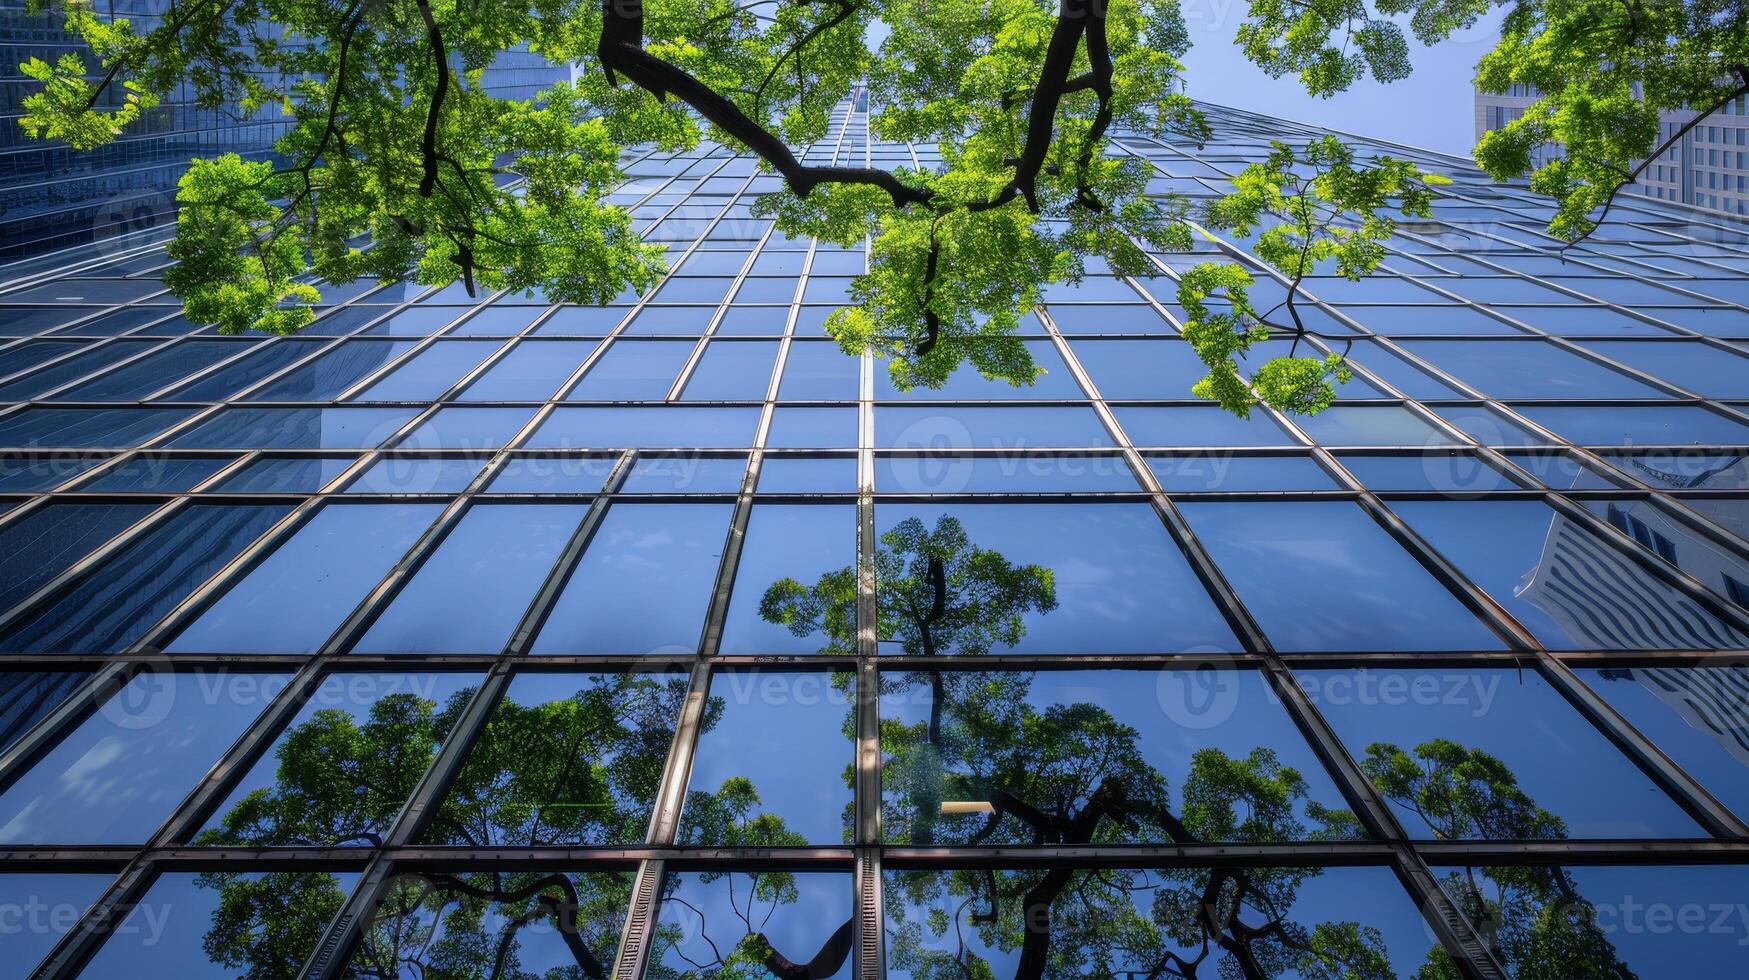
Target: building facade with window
x,y
1708,167
52,196
502,635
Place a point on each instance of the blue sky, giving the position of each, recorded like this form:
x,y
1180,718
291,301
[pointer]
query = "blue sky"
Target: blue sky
x,y
1433,108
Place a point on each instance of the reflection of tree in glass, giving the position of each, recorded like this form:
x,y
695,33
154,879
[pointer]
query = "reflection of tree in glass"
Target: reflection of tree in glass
x,y
742,950
1533,918
937,593
576,770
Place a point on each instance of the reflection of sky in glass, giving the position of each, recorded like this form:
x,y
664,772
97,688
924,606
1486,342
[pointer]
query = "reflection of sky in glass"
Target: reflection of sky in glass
x,y
1699,716
163,935
700,919
1566,766
1122,584
119,774
798,541
1370,897
37,910
785,733
355,695
1175,713
1324,576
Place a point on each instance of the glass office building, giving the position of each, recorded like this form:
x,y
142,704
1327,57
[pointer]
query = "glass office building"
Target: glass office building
x,y
501,638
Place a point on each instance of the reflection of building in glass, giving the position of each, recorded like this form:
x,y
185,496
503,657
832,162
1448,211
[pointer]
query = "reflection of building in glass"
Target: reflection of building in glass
x,y
1714,701
1599,595
52,196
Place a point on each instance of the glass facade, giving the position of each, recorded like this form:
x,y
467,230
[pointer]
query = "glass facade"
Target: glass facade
x,y
504,638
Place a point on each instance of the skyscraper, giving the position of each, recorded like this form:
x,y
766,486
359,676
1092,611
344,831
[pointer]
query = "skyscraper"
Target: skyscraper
x,y
663,637
1707,167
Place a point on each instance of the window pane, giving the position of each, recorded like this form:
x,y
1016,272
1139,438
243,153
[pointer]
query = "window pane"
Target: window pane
x,y
1489,754
1104,578
1168,739
467,428
1527,369
1199,425
805,917
981,427
1004,473
732,371
686,474
470,593
779,741
616,729
429,373
26,697
300,474
1323,576
643,584
44,907
818,371
552,474
87,428
295,428
1695,714
406,474
799,541
532,371
1224,473
342,769
1123,923
295,598
1565,584
41,545
113,606
634,370
217,924
647,427
116,777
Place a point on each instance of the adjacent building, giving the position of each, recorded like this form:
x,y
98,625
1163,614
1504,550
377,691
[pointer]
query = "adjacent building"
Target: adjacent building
x,y
1707,168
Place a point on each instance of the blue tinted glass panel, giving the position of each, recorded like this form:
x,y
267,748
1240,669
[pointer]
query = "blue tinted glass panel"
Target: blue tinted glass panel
x,y
633,370
302,474
1139,729
112,607
994,427
27,474
469,594
732,371
532,371
1323,576
801,474
86,361
658,559
1645,425
1390,717
87,428
295,428
698,915
1144,369
685,474
647,427
295,598
350,722
1371,425
265,359
177,946
157,370
1199,425
401,474
1447,472
797,541
40,545
47,905
813,428
1121,584
1004,473
1695,714
151,472
336,370
467,428
116,777
553,474
786,734
818,371
429,373
1527,369
1564,583
1218,474
26,697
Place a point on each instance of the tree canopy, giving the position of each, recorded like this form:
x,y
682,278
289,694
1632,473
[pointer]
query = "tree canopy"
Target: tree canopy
x,y
398,164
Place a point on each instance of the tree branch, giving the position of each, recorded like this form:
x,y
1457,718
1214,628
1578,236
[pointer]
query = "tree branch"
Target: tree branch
x,y
428,140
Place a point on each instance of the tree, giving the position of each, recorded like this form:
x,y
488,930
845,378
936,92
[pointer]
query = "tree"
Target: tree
x,y
1314,205
1533,918
398,165
341,782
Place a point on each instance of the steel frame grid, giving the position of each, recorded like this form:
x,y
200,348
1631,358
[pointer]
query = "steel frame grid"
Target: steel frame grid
x,y
1408,858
